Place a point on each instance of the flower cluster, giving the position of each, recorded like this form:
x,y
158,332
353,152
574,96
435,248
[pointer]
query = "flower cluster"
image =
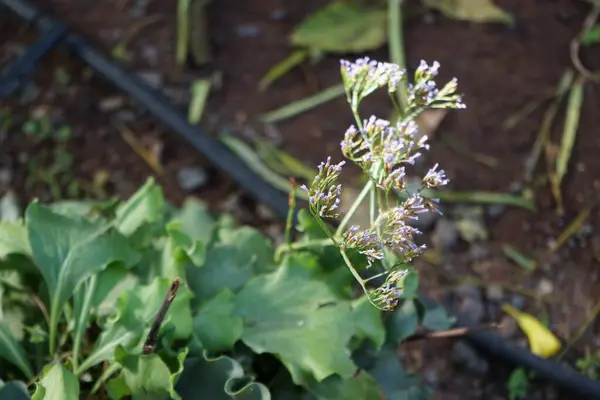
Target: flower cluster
x,y
383,150
324,195
364,76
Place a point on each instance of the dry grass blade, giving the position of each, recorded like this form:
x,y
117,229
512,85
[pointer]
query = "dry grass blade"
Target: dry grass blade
x,y
256,164
183,31
570,128
300,106
455,145
200,91
589,21
146,155
281,68
545,127
572,229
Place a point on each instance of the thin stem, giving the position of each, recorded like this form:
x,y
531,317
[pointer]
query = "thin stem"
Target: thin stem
x,y
354,207
289,223
90,288
396,46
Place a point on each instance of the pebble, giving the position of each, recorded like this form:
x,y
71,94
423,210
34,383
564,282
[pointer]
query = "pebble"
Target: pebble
x,y
445,235
152,78
517,301
494,293
508,327
29,93
125,116
278,15
112,103
191,178
265,212
6,177
464,355
478,252
545,287
247,31
495,210
469,305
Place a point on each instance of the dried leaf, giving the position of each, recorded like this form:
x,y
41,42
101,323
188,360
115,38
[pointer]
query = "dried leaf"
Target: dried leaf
x,y
542,341
342,27
150,157
573,228
471,10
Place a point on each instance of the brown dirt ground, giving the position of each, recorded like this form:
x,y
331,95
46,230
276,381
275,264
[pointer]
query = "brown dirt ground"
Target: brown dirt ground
x,y
499,69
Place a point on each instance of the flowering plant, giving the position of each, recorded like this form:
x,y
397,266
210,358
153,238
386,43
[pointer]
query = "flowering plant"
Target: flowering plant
x,y
383,150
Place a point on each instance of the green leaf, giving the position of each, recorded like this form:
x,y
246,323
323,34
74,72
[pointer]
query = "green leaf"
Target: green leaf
x,y
369,324
393,380
215,326
296,316
471,10
437,319
146,205
231,263
144,376
591,36
403,322
254,243
13,239
57,383
342,27
410,285
220,378
196,221
14,390
359,387
11,351
67,250
136,310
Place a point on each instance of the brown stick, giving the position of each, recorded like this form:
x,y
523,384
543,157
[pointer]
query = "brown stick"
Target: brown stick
x,y
151,339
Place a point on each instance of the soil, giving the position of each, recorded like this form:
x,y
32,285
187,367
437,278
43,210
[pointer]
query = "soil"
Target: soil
x,y
500,71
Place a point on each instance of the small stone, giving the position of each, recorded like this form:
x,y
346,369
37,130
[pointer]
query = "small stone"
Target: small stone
x,y
278,15
276,233
247,31
445,235
508,327
495,210
29,93
494,293
478,252
471,310
154,79
517,301
125,116
6,177
265,212
545,287
466,356
109,104
191,178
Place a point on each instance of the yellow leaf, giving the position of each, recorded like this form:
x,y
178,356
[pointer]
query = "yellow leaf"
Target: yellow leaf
x,y
471,10
542,341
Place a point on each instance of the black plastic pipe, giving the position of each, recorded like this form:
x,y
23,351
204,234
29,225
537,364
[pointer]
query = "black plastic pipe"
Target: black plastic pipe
x,y
159,106
488,342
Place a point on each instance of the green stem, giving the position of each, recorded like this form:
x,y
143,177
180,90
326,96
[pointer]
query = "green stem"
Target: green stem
x,y
81,324
396,45
112,369
353,208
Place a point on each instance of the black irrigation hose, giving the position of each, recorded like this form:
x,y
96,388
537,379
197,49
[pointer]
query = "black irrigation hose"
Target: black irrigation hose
x,y
159,106
491,343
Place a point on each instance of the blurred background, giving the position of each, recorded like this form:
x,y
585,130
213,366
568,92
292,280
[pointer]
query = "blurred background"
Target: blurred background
x,y
520,222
